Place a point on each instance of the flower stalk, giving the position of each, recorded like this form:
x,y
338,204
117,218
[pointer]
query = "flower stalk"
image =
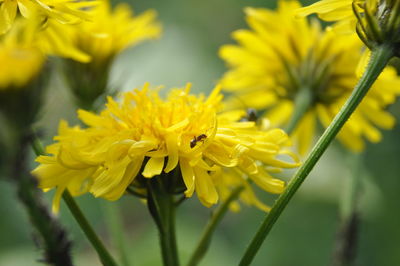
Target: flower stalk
x,y
379,59
105,257
215,219
112,213
160,202
87,229
302,103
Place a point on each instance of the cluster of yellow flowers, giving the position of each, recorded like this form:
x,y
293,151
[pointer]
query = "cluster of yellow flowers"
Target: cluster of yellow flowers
x,y
280,62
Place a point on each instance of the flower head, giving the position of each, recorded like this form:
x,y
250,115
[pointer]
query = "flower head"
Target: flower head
x,y
21,62
375,21
283,57
46,24
108,33
22,78
111,31
145,136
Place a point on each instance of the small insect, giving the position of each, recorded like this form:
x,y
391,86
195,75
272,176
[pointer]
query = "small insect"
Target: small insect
x,y
194,141
251,116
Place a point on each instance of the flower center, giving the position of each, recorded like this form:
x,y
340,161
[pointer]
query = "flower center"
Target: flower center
x,y
314,72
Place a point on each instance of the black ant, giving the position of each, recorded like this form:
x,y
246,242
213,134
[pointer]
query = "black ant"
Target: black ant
x,y
194,141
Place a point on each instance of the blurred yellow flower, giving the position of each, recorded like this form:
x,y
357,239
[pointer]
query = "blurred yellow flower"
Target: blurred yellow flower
x,y
145,136
111,31
20,62
64,11
54,38
283,58
103,37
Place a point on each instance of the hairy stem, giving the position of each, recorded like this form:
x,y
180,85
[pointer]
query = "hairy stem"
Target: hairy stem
x,y
51,235
80,218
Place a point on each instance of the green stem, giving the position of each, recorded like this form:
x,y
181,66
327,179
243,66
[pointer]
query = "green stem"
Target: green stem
x,y
205,239
161,205
379,58
104,255
302,103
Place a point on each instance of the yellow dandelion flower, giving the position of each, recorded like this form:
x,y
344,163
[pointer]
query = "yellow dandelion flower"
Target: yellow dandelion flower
x,y
21,62
282,59
54,38
23,79
64,11
103,37
145,136
111,31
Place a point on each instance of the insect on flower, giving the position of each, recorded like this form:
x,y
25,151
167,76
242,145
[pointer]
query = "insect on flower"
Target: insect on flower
x,y
194,141
251,115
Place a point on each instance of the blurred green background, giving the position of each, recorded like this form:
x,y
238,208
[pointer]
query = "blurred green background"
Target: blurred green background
x,y
304,235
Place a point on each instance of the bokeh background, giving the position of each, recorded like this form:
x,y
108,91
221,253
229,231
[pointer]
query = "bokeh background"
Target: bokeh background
x,y
304,235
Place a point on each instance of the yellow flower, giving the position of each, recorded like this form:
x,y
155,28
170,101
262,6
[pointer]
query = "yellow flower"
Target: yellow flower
x,y
64,11
283,57
20,62
102,38
145,136
54,38
111,31
47,24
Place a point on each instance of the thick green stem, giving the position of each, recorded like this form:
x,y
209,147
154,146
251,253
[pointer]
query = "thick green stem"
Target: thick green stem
x,y
217,216
161,205
379,58
302,103
103,253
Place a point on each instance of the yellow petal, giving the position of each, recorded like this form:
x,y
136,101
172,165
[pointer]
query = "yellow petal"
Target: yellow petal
x,y
205,188
188,177
8,11
153,167
173,155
